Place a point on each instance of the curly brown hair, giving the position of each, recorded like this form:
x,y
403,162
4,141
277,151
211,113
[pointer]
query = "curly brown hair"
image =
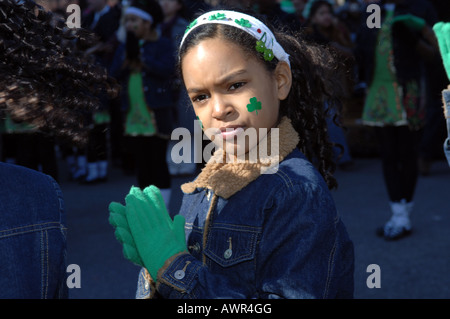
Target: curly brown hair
x,y
45,80
314,85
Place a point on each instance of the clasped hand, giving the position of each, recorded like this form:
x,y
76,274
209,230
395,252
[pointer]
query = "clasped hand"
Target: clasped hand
x,y
148,235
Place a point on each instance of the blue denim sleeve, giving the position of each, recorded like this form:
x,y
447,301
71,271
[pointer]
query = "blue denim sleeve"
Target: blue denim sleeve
x,y
302,245
33,230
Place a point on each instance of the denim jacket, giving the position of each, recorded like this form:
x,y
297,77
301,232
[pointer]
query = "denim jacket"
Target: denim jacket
x,y
252,235
158,58
32,235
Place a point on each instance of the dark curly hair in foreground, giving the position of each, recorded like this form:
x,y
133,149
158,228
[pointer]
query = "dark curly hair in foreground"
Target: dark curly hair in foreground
x,y
314,83
45,80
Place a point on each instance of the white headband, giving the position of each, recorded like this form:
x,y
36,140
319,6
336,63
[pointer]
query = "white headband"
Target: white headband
x,y
140,13
266,42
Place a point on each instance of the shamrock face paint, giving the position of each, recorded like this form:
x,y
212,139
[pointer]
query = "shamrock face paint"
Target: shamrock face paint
x,y
254,105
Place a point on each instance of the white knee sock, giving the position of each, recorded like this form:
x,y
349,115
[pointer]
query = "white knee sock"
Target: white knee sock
x,y
401,214
92,172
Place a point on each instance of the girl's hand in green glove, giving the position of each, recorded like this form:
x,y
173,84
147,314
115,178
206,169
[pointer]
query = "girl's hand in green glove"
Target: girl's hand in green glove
x,y
410,21
118,219
155,235
442,31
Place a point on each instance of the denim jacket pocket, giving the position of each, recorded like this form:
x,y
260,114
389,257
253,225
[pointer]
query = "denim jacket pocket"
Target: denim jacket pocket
x,y
228,244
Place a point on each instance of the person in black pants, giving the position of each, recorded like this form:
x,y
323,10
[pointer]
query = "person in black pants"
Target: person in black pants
x,y
392,63
103,20
145,65
399,149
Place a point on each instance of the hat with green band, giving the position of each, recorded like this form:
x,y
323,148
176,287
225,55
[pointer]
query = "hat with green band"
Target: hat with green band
x,y
266,42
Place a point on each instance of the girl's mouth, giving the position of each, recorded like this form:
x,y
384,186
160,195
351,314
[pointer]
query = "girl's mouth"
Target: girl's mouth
x,y
231,132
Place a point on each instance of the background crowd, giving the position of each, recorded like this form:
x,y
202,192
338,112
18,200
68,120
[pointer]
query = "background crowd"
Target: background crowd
x,y
339,24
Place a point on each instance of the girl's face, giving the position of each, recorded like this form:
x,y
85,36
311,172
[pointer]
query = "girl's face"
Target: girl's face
x,y
322,17
233,92
136,25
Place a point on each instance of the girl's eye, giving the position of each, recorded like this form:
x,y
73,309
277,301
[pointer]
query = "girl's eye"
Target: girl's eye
x,y
236,86
199,98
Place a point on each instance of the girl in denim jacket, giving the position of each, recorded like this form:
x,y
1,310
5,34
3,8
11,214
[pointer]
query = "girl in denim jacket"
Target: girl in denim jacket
x,y
250,225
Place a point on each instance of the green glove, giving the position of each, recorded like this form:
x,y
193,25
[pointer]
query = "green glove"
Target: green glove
x,y
118,219
410,21
442,31
156,236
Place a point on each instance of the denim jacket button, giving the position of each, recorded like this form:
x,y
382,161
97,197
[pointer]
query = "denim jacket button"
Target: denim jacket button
x,y
179,274
196,247
228,253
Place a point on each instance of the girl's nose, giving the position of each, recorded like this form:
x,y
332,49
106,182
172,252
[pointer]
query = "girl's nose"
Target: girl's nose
x,y
221,108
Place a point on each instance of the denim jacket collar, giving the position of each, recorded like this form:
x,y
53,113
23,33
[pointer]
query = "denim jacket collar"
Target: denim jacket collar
x,y
227,178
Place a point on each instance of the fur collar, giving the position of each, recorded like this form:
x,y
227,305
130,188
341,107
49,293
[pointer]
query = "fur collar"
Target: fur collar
x,y
225,178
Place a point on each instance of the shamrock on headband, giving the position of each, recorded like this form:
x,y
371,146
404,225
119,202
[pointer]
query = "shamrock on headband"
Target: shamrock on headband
x,y
265,44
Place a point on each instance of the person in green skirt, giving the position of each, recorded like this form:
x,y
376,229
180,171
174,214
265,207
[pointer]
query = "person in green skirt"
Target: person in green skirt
x,y
391,59
145,65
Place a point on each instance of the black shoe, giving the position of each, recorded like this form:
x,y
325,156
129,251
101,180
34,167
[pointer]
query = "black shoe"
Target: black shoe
x,y
102,179
86,181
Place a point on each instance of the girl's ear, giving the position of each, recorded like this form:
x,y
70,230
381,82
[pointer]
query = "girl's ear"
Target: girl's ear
x,y
283,77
